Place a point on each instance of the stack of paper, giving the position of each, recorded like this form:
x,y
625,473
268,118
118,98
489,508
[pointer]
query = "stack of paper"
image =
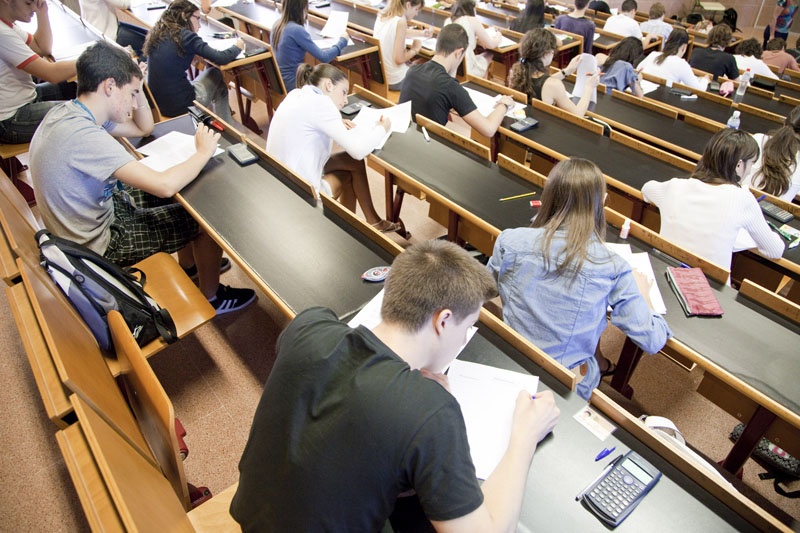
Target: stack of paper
x,y
486,103
641,262
167,151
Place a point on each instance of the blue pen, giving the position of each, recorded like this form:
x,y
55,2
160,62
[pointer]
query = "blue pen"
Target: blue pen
x,y
605,453
761,197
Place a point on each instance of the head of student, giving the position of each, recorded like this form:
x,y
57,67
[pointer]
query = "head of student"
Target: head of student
x,y
536,51
727,157
628,49
534,11
676,45
291,11
780,156
103,62
749,47
179,15
657,11
327,78
401,8
436,281
452,38
776,44
462,8
628,6
572,200
581,4
719,36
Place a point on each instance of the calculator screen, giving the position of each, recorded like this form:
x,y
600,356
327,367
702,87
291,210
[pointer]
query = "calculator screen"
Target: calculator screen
x,y
636,471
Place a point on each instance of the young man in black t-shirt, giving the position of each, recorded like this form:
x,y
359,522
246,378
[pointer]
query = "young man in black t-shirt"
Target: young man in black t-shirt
x,y
353,420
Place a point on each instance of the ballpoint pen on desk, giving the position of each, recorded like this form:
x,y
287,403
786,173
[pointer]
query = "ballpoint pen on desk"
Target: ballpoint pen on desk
x,y
605,452
605,471
425,134
668,258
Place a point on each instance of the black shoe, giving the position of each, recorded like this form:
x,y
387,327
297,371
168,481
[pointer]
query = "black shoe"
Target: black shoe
x,y
229,299
224,266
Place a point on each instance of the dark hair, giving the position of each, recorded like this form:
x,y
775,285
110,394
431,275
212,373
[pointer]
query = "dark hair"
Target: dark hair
x,y
308,75
102,61
779,156
168,27
721,155
657,10
776,44
532,17
628,5
535,44
749,47
572,199
462,8
431,276
677,38
628,49
451,38
720,35
580,4
797,43
292,11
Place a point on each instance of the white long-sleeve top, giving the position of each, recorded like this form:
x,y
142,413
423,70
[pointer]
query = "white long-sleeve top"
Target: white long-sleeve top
x,y
102,14
755,65
673,69
303,129
705,219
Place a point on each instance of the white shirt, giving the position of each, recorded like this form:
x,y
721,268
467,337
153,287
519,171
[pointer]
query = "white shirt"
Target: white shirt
x,y
303,129
623,25
673,69
17,87
657,27
386,32
794,185
706,219
102,14
755,65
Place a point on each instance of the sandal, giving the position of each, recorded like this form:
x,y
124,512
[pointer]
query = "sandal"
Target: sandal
x,y
384,226
610,369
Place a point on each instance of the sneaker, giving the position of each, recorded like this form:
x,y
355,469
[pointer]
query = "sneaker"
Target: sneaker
x,y
229,299
224,266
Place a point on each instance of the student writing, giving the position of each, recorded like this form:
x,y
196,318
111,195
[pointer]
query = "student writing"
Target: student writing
x,y
391,29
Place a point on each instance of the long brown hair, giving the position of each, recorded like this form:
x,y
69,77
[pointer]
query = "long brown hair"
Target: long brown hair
x,y
308,75
780,157
721,155
174,19
292,11
535,44
572,199
677,38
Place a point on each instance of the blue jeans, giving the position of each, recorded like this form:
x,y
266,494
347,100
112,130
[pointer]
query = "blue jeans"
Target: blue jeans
x,y
21,127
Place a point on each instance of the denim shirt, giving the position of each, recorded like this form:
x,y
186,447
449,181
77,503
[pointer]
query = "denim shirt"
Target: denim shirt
x,y
565,317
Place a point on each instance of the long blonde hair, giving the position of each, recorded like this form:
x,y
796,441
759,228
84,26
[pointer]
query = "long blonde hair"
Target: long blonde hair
x,y
572,200
396,8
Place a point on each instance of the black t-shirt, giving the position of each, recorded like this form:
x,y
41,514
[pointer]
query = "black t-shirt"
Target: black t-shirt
x,y
433,93
342,428
716,62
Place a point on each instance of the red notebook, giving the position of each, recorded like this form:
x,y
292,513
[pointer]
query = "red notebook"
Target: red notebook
x,y
693,291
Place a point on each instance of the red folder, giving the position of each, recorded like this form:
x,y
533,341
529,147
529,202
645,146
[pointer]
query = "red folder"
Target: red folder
x,y
693,291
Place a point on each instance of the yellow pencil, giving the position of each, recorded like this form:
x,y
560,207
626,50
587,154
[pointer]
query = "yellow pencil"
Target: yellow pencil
x,y
518,196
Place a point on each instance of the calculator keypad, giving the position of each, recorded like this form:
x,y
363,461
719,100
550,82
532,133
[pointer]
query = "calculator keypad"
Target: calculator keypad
x,y
616,492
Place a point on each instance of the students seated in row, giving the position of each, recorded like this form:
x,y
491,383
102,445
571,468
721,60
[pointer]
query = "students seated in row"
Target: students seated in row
x,y
79,169
576,22
618,68
24,103
102,14
625,24
557,278
531,74
364,425
304,128
433,91
706,24
463,14
777,168
748,56
775,55
714,59
291,42
531,18
655,24
670,65
705,212
170,48
391,29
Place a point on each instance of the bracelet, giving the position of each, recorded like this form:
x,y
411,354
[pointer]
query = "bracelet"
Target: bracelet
x,y
563,74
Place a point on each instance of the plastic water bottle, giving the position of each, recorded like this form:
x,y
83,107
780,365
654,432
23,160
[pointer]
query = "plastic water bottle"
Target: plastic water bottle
x,y
742,88
734,121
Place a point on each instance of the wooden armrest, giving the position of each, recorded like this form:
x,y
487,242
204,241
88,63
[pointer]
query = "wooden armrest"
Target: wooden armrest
x,y
459,140
771,300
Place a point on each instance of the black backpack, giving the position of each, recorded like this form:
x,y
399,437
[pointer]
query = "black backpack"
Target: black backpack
x,y
95,286
730,17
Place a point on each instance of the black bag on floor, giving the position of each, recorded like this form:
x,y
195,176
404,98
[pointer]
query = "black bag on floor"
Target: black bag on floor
x,y
781,466
95,286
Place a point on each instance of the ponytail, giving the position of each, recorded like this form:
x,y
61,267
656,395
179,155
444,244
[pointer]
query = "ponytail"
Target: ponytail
x,y
308,75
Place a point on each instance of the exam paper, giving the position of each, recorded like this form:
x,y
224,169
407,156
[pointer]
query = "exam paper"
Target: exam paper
x,y
336,26
641,261
399,115
586,68
70,52
167,151
429,44
504,42
487,396
648,86
486,103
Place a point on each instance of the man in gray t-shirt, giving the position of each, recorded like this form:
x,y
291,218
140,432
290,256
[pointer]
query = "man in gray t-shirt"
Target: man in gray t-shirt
x,y
78,171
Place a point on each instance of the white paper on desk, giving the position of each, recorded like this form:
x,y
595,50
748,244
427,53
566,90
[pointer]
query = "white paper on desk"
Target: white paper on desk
x,y
140,3
328,42
400,115
224,3
586,68
596,36
487,396
336,26
648,86
641,261
429,43
486,103
70,52
167,151
562,9
504,42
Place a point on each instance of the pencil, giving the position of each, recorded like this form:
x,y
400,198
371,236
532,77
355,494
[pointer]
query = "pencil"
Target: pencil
x,y
525,195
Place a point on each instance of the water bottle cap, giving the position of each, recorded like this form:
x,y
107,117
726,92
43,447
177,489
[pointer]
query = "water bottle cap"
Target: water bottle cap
x,y
736,114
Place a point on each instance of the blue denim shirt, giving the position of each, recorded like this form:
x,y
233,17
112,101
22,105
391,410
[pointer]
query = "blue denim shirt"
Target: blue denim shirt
x,y
565,317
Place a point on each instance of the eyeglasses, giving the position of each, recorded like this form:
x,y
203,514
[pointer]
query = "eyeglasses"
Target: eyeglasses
x,y
196,17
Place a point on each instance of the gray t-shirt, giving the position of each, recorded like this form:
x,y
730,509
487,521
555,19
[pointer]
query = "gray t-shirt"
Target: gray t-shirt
x,y
72,162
